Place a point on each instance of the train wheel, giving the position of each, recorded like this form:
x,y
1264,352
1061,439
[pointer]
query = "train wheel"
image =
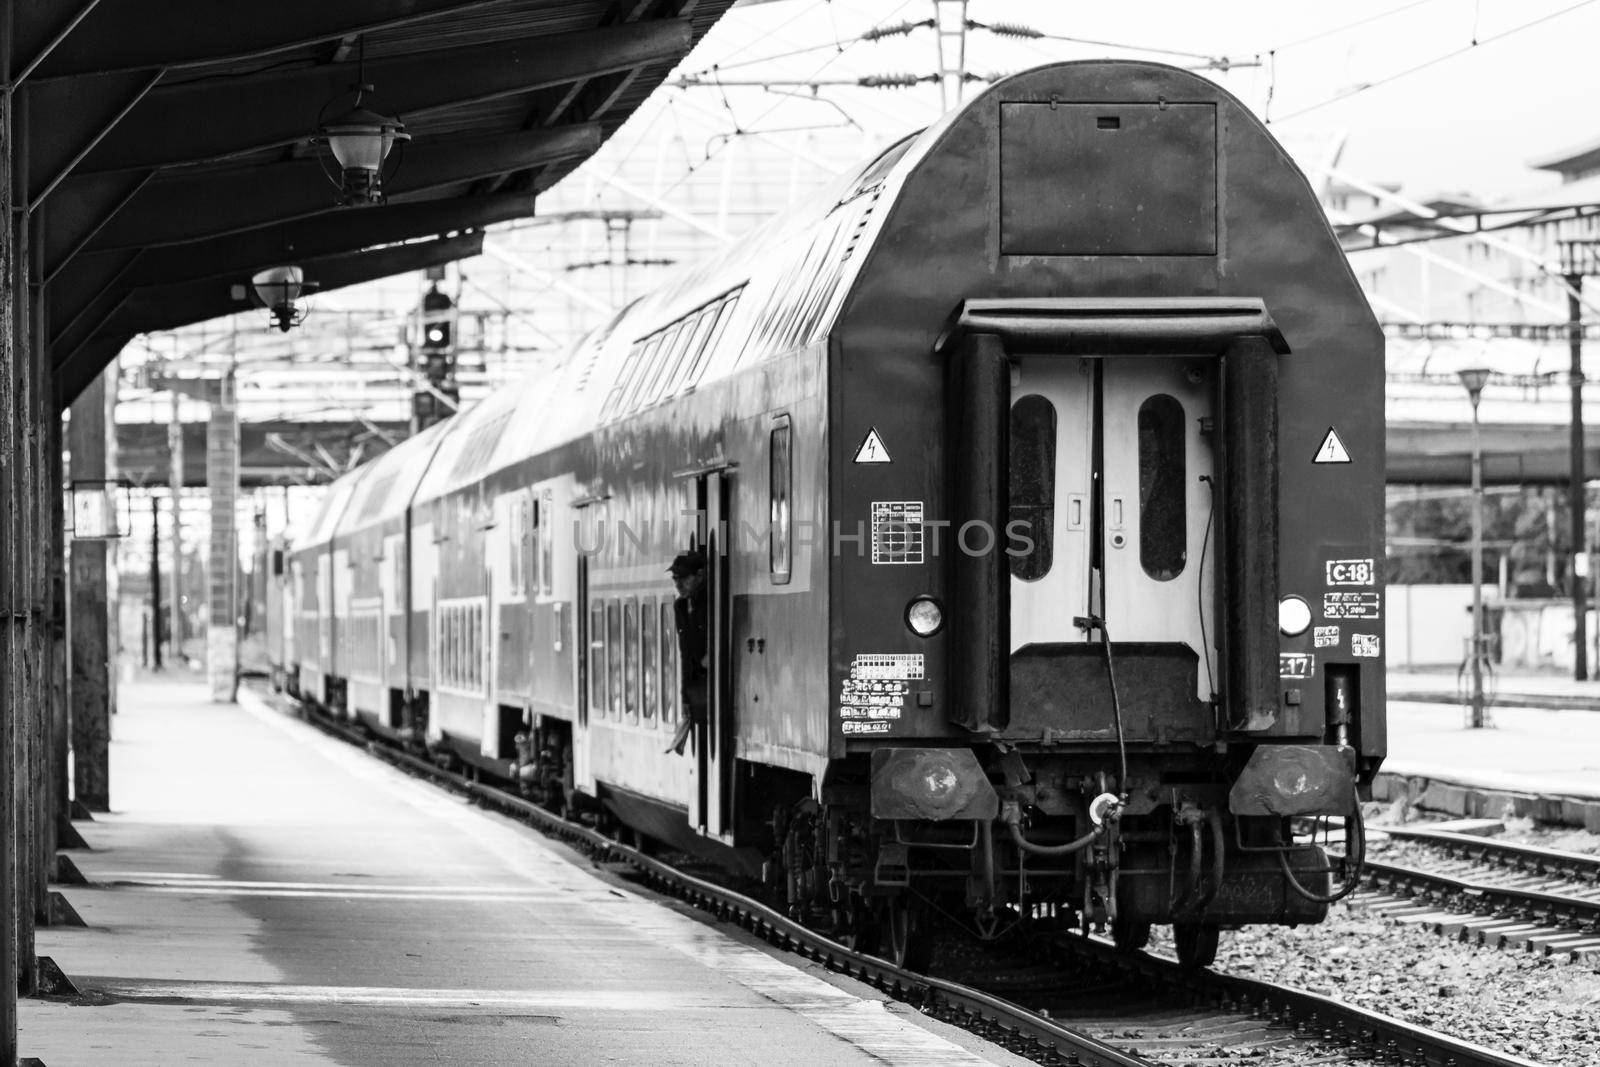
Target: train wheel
x,y
858,929
1130,935
1196,944
905,921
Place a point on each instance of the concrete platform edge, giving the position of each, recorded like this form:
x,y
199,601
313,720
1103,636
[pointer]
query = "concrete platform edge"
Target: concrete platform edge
x,y
1553,702
1479,801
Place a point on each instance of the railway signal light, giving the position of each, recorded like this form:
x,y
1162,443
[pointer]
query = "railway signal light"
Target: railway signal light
x,y
438,333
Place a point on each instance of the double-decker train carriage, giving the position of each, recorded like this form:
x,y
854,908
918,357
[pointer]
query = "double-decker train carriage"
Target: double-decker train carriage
x,y
1038,465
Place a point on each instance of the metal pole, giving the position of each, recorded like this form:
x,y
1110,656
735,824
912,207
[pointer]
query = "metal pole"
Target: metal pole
x,y
1575,493
175,447
1477,570
155,582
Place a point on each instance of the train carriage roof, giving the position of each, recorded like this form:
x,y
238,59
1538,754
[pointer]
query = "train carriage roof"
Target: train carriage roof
x,y
385,486
467,442
334,503
788,277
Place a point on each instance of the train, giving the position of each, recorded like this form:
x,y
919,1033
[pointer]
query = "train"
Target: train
x,y
1037,467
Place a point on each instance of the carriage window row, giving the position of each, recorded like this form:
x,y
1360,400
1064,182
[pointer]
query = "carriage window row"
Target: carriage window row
x,y
531,530
458,644
670,360
633,660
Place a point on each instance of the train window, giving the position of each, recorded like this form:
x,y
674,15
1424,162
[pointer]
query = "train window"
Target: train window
x,y
516,545
670,684
447,646
649,678
649,390
530,545
699,349
649,367
475,645
619,388
724,313
615,660
547,544
597,659
1163,514
780,470
674,358
1033,487
630,646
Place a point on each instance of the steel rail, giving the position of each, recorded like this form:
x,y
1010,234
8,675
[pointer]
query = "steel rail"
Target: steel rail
x,y
1511,855
1485,897
1367,1032
1010,1025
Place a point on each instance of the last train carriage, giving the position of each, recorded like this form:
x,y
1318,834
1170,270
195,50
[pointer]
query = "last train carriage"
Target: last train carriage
x,y
1039,466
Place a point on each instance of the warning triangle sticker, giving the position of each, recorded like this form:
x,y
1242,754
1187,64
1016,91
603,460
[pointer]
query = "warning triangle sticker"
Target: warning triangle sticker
x,y
1331,450
872,450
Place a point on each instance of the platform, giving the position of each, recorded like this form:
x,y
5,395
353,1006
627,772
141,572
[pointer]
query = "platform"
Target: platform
x,y
1539,758
265,894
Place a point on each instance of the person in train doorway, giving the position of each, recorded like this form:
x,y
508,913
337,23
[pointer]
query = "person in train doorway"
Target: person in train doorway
x,y
690,613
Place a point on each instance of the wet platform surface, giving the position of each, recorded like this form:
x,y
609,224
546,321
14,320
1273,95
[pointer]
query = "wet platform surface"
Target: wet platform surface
x,y
1536,750
264,894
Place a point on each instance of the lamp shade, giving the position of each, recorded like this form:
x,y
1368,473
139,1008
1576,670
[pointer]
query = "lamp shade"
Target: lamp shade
x,y
360,139
1473,379
278,285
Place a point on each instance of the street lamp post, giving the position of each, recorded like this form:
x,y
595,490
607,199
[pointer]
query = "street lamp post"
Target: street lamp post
x,y
1474,379
1580,257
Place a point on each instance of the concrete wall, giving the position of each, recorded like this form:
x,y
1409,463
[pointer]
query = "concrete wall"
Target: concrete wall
x,y
1429,625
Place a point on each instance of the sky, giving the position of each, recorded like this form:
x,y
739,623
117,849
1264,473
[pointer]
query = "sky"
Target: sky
x,y
1469,119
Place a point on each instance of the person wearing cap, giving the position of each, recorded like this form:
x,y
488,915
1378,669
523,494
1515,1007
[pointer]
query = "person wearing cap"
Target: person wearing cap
x,y
689,611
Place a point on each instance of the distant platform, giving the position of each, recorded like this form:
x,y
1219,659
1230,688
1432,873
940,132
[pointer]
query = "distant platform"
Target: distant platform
x,y
265,894
1539,758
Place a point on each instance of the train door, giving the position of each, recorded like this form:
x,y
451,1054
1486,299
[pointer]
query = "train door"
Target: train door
x,y
1052,449
586,637
711,794
1158,501
1110,476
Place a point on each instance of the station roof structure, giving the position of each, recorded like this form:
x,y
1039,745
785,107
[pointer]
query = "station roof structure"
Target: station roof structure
x,y
164,168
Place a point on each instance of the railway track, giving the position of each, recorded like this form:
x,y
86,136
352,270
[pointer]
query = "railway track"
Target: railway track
x,y
1088,1005
1491,892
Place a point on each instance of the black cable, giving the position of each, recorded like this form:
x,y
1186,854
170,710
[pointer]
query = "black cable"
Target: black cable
x,y
1355,846
1097,623
1200,591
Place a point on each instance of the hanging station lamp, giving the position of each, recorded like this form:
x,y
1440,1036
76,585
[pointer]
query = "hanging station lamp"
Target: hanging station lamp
x,y
360,141
279,289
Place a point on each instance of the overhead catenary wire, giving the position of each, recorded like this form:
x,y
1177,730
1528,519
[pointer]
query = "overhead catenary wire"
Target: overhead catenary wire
x,y
1435,61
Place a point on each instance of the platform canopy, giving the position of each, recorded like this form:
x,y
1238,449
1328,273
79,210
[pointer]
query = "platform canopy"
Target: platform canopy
x,y
165,147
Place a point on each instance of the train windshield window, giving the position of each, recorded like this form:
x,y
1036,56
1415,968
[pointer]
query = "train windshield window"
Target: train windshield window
x,y
779,482
669,665
615,664
649,678
1033,487
597,659
1163,514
